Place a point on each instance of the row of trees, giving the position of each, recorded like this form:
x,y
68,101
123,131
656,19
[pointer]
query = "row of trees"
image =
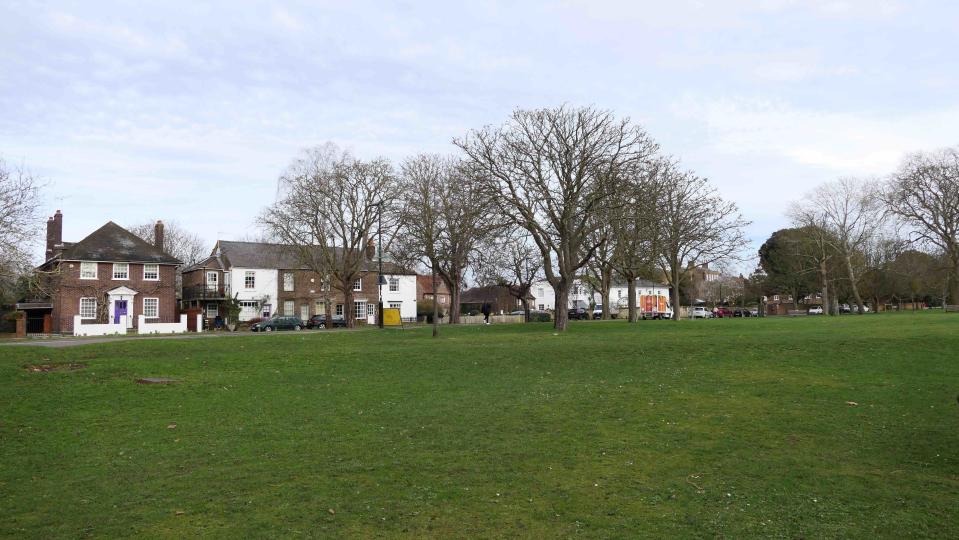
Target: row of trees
x,y
559,194
886,240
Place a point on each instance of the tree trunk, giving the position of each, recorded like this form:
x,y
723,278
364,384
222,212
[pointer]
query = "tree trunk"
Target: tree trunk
x,y
436,303
953,281
852,285
631,297
824,274
348,307
328,307
454,304
605,284
562,306
525,302
675,269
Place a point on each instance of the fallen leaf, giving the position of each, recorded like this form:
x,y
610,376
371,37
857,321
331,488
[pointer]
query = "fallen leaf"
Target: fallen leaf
x,y
852,403
331,511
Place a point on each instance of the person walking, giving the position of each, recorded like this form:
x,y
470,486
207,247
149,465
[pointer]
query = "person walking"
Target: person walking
x,y
486,311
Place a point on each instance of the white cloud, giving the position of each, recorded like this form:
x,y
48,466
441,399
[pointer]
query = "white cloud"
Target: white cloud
x,y
843,142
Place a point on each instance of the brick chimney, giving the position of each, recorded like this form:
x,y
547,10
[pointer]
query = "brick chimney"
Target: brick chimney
x,y
158,235
54,234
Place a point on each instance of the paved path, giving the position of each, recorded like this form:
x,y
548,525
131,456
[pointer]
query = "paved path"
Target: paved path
x,y
58,343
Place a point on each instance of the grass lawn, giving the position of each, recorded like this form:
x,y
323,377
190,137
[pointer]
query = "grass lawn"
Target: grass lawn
x,y
722,428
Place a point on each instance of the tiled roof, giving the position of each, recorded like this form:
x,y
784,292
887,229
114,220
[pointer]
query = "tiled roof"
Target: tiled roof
x,y
113,243
282,256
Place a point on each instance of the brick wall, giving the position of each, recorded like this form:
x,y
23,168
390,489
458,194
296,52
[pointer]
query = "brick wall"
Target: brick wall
x,y
70,288
307,290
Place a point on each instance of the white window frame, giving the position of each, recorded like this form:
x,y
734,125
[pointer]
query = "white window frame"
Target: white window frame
x,y
396,305
88,316
288,287
249,279
358,285
394,284
370,309
338,310
212,313
88,264
319,306
359,309
126,271
156,306
156,273
215,283
291,304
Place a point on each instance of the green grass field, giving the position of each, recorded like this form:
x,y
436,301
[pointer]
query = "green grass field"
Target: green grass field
x,y
729,428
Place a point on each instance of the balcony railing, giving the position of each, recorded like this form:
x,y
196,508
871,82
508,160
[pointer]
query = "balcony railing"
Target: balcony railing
x,y
205,292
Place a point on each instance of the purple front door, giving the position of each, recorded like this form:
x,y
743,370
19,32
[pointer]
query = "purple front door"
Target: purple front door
x,y
119,308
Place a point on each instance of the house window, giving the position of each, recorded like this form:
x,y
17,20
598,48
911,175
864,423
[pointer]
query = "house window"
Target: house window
x,y
542,307
212,310
88,270
358,285
442,299
288,308
249,279
320,307
359,310
88,308
575,289
395,305
151,272
371,309
211,281
267,309
339,310
540,292
288,281
394,284
121,270
151,308
619,293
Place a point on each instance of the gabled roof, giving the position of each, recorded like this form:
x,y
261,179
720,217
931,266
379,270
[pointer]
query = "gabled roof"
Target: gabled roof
x,y
282,257
210,263
113,243
426,284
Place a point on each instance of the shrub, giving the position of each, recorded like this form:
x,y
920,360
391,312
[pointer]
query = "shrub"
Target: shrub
x,y
425,309
540,317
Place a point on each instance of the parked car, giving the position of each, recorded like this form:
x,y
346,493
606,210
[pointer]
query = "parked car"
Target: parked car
x,y
742,312
578,313
319,321
721,312
846,308
598,311
699,312
754,312
815,310
278,323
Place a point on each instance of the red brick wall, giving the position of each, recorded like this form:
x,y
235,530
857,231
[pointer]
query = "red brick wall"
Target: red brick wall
x,y
302,287
70,288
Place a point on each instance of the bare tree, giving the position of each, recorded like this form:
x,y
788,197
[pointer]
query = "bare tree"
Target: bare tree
x,y
635,227
19,221
446,216
599,268
512,260
177,240
849,212
924,194
328,209
549,171
696,225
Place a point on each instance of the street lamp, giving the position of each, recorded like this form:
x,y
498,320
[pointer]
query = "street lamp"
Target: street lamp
x,y
379,254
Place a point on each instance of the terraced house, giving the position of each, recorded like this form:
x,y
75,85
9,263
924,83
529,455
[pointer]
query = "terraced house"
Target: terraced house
x,y
111,276
270,279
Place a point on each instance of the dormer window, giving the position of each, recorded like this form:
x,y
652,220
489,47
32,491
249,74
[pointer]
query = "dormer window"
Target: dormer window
x,y
121,270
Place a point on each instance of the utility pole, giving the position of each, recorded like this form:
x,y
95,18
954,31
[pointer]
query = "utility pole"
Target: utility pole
x,y
379,254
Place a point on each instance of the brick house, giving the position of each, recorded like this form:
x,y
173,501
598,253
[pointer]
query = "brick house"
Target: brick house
x,y
269,279
110,276
424,290
501,298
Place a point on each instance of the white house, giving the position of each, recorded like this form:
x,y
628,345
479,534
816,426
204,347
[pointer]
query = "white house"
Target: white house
x,y
581,294
400,292
270,279
545,297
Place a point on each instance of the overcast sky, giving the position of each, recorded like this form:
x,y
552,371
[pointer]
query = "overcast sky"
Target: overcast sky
x,y
189,112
